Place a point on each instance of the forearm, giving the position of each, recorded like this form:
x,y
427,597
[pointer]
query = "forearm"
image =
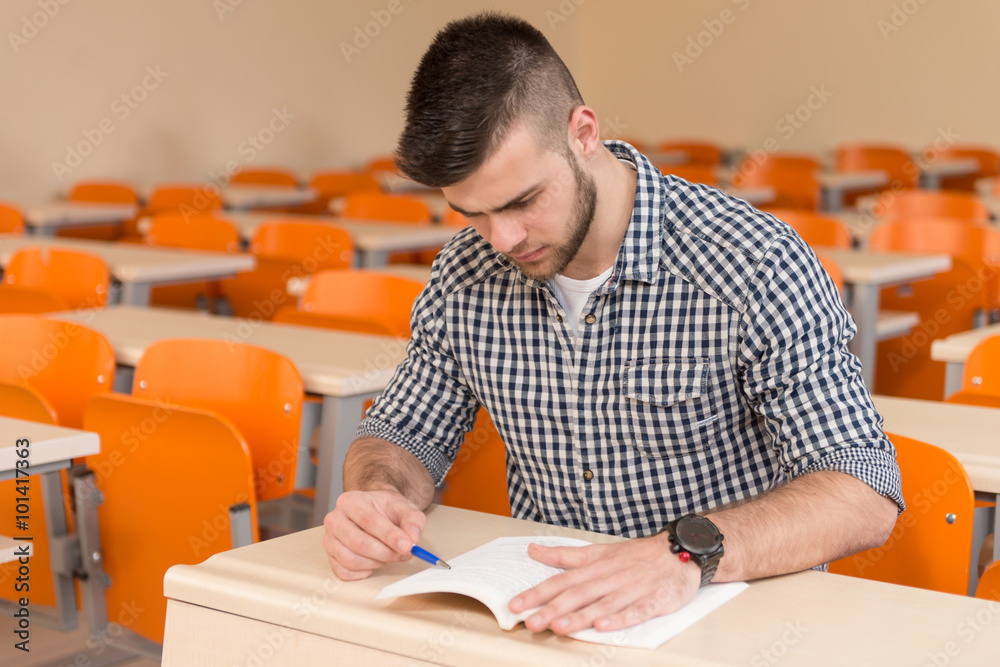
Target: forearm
x,y
373,464
812,520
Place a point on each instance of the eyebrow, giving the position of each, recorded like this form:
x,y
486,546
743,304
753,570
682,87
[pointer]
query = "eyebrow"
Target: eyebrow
x,y
500,209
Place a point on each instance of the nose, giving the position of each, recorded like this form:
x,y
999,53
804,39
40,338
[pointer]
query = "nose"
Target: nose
x,y
506,233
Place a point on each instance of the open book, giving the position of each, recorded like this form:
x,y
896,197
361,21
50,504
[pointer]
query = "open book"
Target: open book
x,y
495,572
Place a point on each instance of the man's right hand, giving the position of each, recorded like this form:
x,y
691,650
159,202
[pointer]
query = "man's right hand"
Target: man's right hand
x,y
368,529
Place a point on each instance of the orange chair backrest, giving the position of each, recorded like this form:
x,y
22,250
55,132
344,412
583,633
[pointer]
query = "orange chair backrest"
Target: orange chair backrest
x,y
833,270
698,152
989,583
816,229
931,203
796,187
931,545
112,192
694,172
894,160
987,157
477,480
167,489
341,183
79,278
185,199
385,208
17,299
963,397
64,362
11,219
198,231
23,402
313,245
981,375
265,176
292,315
381,297
258,390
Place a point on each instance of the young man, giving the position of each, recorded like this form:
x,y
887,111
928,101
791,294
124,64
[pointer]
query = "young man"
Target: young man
x,y
662,361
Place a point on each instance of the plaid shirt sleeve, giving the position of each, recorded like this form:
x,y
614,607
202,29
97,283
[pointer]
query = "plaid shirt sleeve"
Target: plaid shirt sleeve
x,y
800,376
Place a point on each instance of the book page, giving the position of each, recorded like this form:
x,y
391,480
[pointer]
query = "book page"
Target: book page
x,y
497,571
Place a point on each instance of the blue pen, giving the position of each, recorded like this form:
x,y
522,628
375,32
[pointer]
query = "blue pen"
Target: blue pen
x,y
423,554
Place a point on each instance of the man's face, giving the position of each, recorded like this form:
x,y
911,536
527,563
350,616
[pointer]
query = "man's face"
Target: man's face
x,y
531,203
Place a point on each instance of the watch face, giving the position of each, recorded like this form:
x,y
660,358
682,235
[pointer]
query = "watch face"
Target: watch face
x,y
697,535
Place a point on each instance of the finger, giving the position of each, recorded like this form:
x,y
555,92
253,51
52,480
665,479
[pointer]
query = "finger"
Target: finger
x,y
553,586
342,530
372,518
566,557
573,609
410,520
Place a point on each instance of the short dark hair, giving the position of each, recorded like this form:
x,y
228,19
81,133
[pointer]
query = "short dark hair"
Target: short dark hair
x,y
480,75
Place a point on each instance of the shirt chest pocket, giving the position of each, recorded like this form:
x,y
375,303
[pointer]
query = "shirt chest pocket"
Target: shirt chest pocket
x,y
669,408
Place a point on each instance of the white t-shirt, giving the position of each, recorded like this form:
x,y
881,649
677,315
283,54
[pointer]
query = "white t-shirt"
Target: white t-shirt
x,y
573,294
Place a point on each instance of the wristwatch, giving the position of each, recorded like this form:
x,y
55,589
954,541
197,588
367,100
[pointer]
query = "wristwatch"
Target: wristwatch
x,y
694,537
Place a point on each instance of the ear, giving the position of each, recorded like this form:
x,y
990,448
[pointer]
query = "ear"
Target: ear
x,y
584,132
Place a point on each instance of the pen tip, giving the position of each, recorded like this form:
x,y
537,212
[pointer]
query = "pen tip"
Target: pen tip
x,y
444,564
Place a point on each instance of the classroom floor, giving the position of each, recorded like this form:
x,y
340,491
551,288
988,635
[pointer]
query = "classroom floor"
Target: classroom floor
x,y
51,647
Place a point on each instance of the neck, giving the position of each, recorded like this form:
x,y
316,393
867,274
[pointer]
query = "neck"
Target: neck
x,y
615,184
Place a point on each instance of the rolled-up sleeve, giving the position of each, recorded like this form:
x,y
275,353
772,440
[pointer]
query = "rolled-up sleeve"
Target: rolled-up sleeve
x,y
800,377
427,407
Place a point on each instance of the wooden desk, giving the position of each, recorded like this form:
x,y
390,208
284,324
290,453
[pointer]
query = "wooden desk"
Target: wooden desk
x,y
242,197
373,240
52,449
279,603
345,368
931,173
137,268
955,349
968,432
834,184
865,274
46,219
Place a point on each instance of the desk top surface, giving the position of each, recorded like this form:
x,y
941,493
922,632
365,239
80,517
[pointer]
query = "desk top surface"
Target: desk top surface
x,y
812,618
48,443
59,213
331,363
956,347
134,263
863,267
968,432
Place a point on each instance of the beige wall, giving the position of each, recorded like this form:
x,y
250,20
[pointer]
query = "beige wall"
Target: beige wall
x,y
223,74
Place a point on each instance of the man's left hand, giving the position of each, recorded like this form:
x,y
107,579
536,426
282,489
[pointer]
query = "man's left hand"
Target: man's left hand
x,y
608,586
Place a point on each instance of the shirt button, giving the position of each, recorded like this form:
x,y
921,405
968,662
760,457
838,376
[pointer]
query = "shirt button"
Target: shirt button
x,y
588,475
590,319
558,318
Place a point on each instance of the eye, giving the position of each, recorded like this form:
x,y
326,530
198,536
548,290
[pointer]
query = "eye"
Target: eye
x,y
524,203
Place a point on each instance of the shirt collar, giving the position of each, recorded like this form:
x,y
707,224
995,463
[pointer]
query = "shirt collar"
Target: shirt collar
x,y
639,254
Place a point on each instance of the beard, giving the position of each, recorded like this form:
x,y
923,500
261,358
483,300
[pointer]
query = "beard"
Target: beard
x,y
582,216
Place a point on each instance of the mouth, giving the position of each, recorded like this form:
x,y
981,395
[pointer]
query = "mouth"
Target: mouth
x,y
529,256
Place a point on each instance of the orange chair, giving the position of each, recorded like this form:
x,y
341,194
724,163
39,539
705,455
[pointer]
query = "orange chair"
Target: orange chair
x,y
16,299
795,187
380,297
698,152
833,270
922,204
168,496
382,207
22,402
11,220
265,176
477,480
258,390
893,160
80,279
452,218
695,173
64,362
987,157
989,583
931,545
284,249
198,232
981,376
815,229
186,199
334,184
380,163
104,191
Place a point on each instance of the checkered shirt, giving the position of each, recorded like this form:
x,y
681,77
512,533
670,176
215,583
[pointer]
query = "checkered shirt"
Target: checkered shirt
x,y
710,367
